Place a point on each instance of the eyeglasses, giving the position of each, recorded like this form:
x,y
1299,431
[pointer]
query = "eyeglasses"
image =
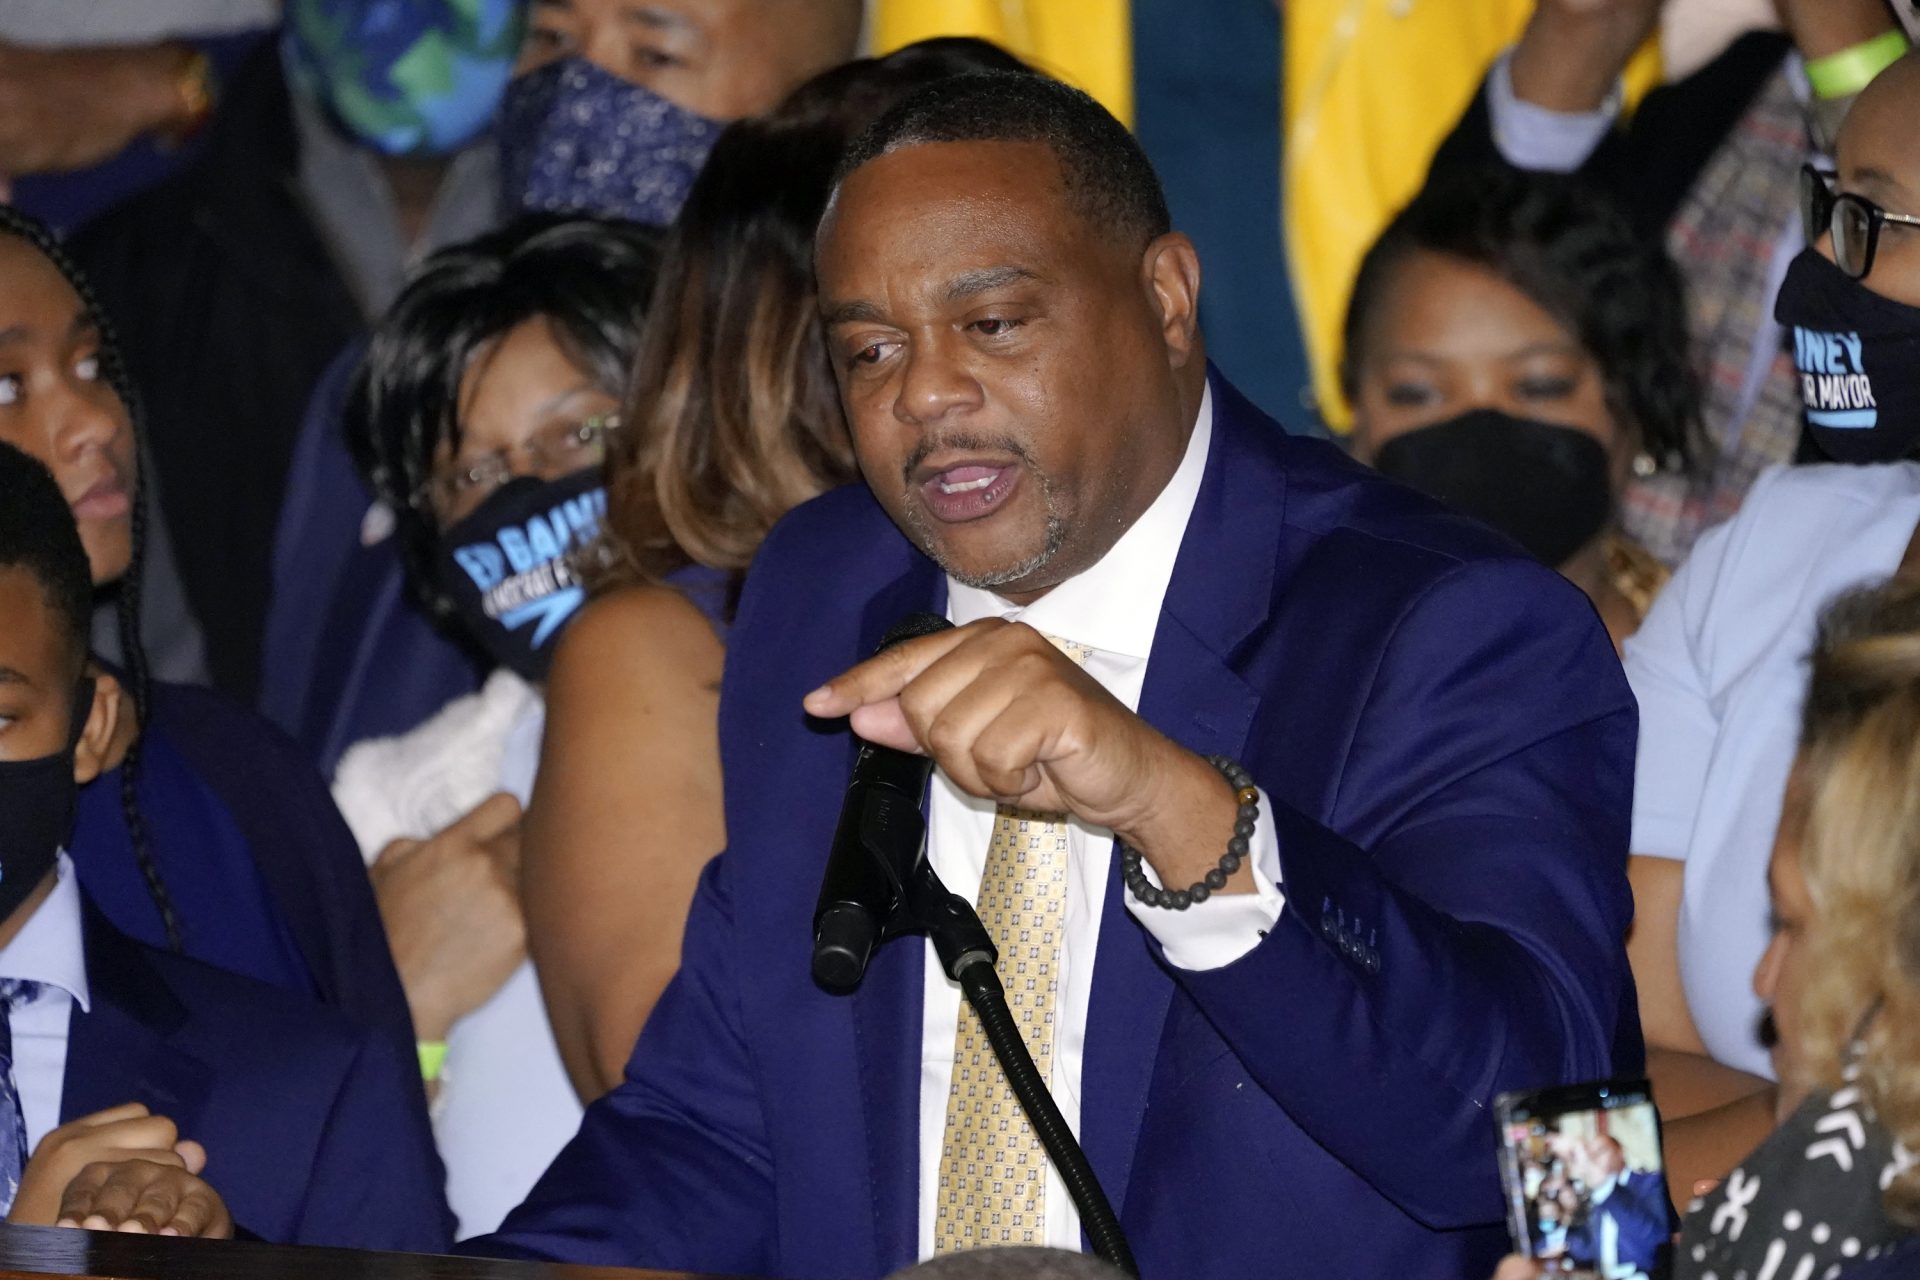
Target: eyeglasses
x,y
1853,221
558,450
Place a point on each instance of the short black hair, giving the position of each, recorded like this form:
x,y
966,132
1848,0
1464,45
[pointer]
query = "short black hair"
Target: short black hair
x,y
1575,255
1109,180
38,534
590,278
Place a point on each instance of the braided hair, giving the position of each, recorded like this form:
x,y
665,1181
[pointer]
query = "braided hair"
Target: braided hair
x,y
35,233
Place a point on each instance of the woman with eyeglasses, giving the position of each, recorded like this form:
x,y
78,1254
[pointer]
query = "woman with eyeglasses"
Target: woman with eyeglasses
x,y
1717,666
482,413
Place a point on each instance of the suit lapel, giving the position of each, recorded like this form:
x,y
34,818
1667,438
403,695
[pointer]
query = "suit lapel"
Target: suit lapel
x,y
887,1009
1194,696
121,1049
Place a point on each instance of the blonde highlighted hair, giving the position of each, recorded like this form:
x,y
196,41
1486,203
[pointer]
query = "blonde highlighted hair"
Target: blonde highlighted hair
x,y
732,416
1860,855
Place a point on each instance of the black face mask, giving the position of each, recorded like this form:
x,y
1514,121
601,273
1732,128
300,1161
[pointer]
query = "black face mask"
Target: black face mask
x,y
1859,360
37,800
508,567
1545,486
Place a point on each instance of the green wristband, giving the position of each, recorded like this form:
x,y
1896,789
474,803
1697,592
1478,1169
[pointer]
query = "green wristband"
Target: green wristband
x,y
1843,74
433,1056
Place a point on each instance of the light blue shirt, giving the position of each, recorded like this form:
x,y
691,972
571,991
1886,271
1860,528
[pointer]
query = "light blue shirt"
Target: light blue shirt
x,y
49,950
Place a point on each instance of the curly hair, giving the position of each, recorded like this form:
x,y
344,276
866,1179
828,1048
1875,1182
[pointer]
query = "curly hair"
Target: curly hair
x,y
1575,255
1859,848
113,367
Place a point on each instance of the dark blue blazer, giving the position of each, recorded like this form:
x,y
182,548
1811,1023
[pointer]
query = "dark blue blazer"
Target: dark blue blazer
x,y
1448,742
349,653
266,795
1642,1218
315,1128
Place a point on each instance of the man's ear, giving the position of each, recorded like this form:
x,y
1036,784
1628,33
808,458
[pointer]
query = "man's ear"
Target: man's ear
x,y
94,754
1171,271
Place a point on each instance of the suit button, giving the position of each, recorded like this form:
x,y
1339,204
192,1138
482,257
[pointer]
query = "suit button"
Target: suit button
x,y
1372,962
1329,930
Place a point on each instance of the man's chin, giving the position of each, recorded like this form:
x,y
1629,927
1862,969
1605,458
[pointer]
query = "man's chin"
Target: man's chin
x,y
971,555
1006,574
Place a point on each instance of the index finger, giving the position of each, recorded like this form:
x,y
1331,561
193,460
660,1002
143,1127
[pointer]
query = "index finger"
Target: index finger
x,y
886,673
112,1115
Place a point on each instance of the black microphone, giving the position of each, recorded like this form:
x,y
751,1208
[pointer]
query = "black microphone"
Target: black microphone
x,y
879,840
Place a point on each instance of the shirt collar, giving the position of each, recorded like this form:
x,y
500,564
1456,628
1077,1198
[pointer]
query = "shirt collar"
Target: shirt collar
x,y
49,947
1115,605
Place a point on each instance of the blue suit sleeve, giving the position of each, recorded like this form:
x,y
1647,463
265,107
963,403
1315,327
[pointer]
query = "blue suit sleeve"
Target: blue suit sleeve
x,y
672,1168
377,1181
1477,943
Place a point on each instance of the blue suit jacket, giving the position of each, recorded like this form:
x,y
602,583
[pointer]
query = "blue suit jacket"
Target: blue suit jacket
x,y
267,796
1448,742
315,1128
1642,1218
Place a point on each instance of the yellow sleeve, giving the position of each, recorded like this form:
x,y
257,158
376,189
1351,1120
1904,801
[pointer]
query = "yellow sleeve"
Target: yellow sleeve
x,y
1087,43
1371,89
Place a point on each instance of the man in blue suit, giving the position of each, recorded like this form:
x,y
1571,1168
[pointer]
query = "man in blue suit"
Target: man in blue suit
x,y
1284,1070
128,1070
1628,1217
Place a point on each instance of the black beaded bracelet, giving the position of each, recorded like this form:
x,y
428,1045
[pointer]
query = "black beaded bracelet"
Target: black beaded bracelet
x,y
1248,795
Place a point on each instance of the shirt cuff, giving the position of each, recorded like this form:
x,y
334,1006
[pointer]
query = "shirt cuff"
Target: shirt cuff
x,y
1535,138
1215,933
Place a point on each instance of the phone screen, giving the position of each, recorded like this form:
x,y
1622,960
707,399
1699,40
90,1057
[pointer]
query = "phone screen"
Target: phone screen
x,y
1586,1189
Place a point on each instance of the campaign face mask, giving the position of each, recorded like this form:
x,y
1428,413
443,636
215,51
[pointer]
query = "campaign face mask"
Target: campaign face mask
x,y
1859,360
405,77
37,800
575,138
1545,486
508,567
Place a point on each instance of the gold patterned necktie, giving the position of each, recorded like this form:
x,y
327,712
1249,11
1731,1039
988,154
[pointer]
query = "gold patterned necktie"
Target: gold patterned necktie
x,y
993,1168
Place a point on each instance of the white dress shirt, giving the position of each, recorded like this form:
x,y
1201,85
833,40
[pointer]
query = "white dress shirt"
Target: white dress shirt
x,y
1113,608
48,950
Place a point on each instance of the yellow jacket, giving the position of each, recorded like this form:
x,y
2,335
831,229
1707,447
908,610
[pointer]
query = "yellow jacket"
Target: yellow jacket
x,y
1370,88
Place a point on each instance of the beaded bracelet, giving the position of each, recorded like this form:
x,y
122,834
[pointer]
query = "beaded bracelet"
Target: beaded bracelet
x,y
1248,795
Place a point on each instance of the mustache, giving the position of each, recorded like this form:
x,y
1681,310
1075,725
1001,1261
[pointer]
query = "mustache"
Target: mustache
x,y
962,442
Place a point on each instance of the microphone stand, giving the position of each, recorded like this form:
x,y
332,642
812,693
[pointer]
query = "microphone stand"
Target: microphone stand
x,y
967,954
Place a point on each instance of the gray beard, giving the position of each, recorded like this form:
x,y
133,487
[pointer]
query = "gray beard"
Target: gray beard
x,y
1056,536
922,534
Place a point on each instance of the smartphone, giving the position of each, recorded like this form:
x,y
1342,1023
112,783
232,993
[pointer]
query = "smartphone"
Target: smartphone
x,y
1586,1188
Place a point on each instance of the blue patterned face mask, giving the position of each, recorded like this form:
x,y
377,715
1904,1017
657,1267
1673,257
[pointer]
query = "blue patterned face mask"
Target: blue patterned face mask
x,y
405,77
578,139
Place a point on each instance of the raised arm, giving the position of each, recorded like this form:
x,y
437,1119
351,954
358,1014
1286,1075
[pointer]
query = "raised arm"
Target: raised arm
x,y
1468,938
1491,771
1573,52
